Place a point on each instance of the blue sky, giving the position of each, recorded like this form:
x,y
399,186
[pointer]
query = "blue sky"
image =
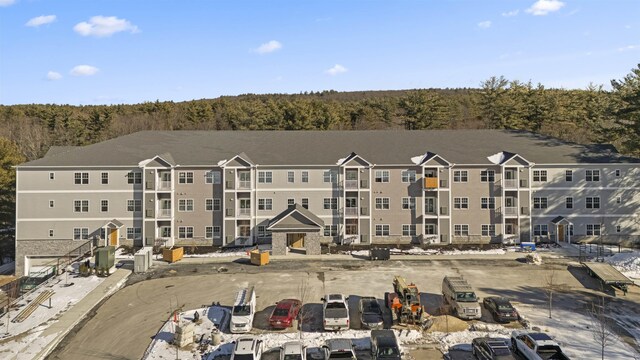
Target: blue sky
x,y
127,51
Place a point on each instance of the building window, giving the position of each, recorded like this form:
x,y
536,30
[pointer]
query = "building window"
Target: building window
x,y
488,203
265,177
291,202
382,203
568,202
461,230
489,230
81,206
134,205
165,231
618,228
208,232
305,177
208,204
568,175
217,206
185,232
593,202
592,175
594,229
104,205
382,176
305,203
212,177
265,204
104,178
487,176
216,231
262,231
408,176
185,177
539,175
52,176
134,177
81,178
185,205
408,230
461,203
408,203
329,176
460,176
617,172
330,203
50,232
539,202
331,230
51,203
382,230
541,230
134,233
80,233
291,176
430,229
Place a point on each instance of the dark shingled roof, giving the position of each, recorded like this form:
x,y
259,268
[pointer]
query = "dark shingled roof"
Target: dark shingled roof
x,y
327,147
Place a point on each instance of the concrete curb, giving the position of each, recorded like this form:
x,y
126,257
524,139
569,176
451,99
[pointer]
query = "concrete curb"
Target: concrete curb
x,y
76,314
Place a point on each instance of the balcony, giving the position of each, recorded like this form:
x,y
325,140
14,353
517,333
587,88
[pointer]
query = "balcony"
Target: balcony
x,y
510,184
244,185
351,184
511,211
351,211
430,183
164,185
164,213
244,212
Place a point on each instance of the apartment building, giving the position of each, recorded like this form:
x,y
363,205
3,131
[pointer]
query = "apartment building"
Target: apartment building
x,y
303,188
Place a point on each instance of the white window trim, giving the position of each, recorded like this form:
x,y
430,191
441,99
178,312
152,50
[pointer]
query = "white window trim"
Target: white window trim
x,y
382,230
462,202
383,203
460,176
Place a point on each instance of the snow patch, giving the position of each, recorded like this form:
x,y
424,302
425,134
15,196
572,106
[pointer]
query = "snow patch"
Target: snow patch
x,y
628,263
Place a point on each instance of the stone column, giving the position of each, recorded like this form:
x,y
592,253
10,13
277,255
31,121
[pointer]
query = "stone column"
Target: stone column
x,y
278,243
312,243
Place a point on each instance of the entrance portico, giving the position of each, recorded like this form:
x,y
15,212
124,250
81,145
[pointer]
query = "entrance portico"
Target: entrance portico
x,y
112,232
563,229
295,228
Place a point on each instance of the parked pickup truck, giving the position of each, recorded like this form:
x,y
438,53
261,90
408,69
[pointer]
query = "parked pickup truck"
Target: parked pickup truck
x,y
536,346
335,312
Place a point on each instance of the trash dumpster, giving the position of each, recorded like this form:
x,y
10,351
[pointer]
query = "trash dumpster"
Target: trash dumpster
x,y
172,255
259,257
379,254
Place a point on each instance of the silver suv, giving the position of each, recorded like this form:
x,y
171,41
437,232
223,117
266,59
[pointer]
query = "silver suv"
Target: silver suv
x,y
339,349
247,348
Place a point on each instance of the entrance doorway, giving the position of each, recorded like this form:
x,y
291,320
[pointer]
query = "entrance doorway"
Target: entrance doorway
x,y
295,241
561,232
113,237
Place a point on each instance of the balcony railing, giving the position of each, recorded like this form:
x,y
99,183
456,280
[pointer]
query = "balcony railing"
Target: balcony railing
x,y
351,184
244,185
164,213
244,212
510,184
164,185
511,211
351,211
430,183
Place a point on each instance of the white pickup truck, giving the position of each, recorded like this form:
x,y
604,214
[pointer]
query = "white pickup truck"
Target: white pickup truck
x,y
335,312
536,346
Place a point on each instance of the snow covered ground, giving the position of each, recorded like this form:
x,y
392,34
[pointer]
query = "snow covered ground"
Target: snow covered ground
x,y
23,338
627,263
420,251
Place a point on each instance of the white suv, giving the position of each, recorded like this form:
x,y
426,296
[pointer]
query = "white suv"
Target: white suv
x,y
247,348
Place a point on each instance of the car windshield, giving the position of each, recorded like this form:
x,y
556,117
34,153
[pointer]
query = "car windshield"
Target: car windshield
x,y
466,297
341,355
293,357
335,305
506,308
280,312
242,310
387,351
502,351
371,307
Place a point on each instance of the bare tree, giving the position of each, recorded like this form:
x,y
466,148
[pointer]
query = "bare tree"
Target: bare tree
x,y
305,315
550,287
601,326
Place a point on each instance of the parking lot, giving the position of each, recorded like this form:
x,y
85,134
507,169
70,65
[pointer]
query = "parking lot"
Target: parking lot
x,y
147,303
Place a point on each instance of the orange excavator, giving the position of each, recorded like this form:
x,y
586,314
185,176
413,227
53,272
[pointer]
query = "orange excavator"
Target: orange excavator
x,y
404,302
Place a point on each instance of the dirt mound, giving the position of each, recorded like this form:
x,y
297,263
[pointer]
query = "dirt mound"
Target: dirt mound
x,y
444,323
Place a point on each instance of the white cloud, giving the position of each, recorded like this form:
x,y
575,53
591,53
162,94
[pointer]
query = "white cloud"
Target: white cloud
x,y
484,24
629,47
268,47
54,75
336,69
511,13
103,26
84,70
544,7
7,2
41,20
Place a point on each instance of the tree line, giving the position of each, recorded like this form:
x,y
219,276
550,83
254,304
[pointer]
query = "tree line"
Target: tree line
x,y
591,115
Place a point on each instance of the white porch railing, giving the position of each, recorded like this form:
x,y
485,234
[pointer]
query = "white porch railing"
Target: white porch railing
x,y
511,184
351,184
511,211
351,211
245,212
164,185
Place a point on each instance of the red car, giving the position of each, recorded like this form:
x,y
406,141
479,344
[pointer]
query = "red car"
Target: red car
x,y
285,312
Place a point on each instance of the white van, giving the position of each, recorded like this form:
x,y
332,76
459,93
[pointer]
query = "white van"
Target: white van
x,y
243,311
460,296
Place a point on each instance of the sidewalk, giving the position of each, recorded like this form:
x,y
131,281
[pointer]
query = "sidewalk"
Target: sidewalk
x,y
59,329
